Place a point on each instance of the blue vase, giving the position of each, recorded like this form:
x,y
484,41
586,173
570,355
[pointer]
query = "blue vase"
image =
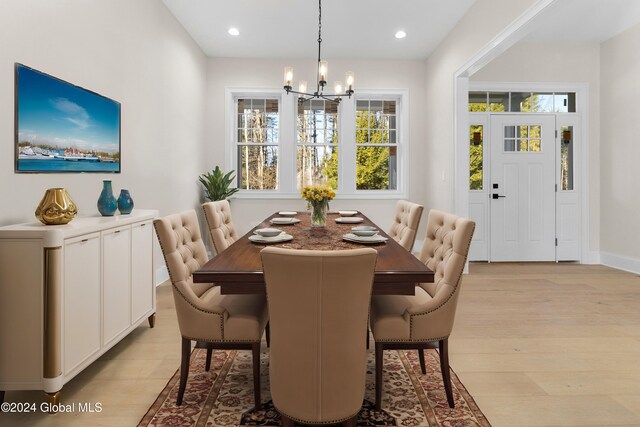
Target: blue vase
x,y
125,202
107,204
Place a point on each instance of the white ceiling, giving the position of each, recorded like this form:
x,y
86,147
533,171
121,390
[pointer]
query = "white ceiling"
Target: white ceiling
x,y
289,28
585,21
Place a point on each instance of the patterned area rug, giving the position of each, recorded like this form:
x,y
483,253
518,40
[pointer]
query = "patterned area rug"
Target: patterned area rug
x,y
224,395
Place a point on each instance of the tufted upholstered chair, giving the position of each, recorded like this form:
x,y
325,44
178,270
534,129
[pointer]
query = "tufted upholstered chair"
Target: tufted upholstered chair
x,y
213,320
406,220
317,360
221,229
421,320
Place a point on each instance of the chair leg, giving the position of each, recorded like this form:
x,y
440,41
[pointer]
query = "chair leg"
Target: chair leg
x,y
255,349
351,422
423,366
379,350
184,368
286,421
444,367
267,333
367,338
207,365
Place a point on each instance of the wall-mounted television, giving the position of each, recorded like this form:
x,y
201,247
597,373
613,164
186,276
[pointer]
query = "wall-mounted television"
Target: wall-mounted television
x,y
63,128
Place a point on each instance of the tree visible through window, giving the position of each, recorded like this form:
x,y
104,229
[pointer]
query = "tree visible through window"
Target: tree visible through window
x,y
376,145
257,144
317,144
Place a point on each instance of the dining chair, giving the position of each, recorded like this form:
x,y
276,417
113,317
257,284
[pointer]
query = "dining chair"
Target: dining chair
x,y
405,223
318,304
213,320
421,320
221,229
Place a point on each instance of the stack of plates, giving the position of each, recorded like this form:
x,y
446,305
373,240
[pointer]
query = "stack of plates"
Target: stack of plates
x,y
376,238
270,235
284,220
349,219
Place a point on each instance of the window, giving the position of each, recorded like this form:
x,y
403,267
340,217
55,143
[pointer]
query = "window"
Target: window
x,y
376,149
277,145
522,138
522,102
566,158
475,157
317,144
257,143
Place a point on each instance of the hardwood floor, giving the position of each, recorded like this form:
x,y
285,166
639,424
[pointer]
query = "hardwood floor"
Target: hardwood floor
x,y
538,344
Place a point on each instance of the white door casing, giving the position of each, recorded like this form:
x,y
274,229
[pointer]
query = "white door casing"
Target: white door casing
x,y
522,218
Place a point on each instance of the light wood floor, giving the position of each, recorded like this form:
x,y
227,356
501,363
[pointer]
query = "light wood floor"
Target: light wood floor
x,y
535,344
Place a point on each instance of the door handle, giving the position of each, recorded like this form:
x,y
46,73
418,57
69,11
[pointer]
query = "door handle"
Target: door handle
x,y
497,196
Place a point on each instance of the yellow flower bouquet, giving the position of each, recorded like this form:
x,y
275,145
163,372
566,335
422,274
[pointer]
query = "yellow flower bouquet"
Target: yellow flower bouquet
x,y
317,197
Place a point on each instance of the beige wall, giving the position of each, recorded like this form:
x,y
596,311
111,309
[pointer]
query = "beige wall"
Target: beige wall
x,y
620,156
559,62
132,51
484,20
263,73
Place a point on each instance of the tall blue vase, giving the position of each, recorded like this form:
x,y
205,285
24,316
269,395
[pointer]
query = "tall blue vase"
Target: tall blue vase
x,y
107,204
125,202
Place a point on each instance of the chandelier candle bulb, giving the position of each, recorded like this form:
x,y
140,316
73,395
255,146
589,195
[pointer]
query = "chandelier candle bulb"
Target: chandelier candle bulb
x,y
288,76
322,71
337,87
302,87
349,78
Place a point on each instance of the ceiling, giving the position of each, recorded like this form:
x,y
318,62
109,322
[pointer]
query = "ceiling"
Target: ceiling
x,y
362,29
585,21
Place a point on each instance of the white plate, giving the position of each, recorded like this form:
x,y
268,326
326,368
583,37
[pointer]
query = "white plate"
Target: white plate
x,y
364,228
349,220
287,213
364,232
284,237
284,221
364,239
347,213
268,232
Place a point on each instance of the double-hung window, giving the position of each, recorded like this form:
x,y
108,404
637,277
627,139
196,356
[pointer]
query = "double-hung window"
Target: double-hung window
x,y
358,147
257,143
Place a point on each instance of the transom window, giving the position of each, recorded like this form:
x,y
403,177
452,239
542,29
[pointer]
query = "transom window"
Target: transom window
x,y
317,144
376,145
522,102
257,143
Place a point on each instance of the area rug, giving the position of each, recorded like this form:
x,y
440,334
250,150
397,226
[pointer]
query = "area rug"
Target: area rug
x,y
224,395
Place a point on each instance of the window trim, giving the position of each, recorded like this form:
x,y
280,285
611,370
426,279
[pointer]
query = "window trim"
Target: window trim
x,y
287,110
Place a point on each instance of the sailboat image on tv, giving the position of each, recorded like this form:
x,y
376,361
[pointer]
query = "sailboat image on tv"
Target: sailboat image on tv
x,y
61,127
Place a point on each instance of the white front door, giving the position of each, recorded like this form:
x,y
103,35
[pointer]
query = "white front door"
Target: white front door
x,y
522,188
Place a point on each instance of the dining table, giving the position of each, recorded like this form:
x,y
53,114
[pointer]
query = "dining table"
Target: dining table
x,y
238,269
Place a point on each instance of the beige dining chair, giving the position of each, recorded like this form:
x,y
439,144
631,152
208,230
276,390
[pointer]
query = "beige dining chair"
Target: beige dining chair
x,y
213,320
221,229
318,304
406,220
426,318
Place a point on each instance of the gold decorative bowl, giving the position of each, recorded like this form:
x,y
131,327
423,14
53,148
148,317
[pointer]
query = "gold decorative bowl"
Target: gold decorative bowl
x,y
56,207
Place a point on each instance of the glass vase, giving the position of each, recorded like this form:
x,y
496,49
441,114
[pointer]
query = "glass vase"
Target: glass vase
x,y
107,204
319,213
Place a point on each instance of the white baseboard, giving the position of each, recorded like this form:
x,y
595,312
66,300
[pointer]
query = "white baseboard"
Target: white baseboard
x,y
620,262
162,275
593,257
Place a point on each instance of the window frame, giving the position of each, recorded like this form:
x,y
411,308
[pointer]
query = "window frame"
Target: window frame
x,y
287,142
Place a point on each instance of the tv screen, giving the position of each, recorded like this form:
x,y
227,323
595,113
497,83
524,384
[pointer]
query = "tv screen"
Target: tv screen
x,y
62,128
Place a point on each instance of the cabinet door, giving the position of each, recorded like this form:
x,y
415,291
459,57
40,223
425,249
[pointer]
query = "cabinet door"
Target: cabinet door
x,y
81,299
142,289
116,287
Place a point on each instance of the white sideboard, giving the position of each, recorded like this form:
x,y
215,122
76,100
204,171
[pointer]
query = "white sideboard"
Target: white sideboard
x,y
70,292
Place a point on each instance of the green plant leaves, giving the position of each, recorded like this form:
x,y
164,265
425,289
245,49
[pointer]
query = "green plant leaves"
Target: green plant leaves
x,y
216,184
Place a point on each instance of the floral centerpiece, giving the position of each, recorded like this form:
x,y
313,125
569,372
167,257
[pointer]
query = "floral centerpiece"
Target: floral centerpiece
x,y
317,198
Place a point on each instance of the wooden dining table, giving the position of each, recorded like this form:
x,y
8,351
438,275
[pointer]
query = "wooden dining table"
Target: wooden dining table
x,y
238,269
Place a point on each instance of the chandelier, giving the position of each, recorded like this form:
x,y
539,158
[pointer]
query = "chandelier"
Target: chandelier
x,y
321,78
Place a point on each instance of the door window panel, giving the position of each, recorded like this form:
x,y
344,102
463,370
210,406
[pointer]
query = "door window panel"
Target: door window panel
x,y
526,140
566,158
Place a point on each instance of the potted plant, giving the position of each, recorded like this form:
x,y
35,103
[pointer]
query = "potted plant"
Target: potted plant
x,y
216,184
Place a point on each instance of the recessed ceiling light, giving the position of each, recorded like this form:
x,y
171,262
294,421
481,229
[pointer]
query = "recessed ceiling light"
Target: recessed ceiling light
x,y
401,34
234,31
